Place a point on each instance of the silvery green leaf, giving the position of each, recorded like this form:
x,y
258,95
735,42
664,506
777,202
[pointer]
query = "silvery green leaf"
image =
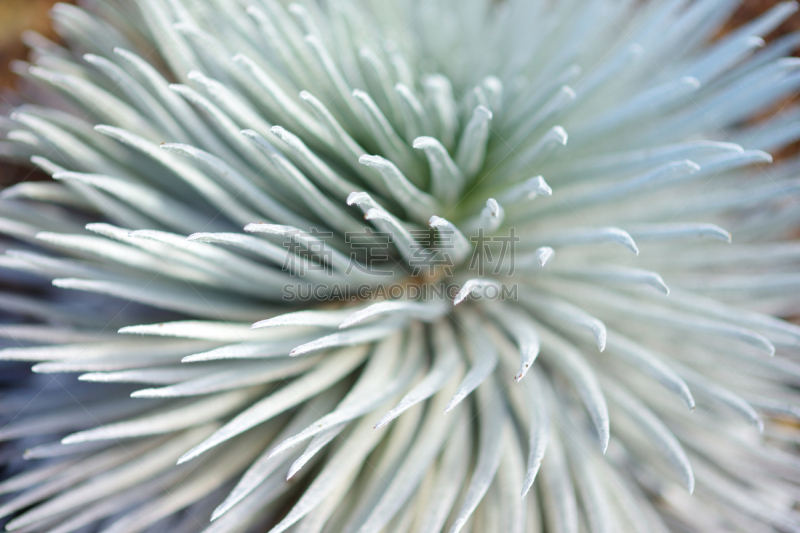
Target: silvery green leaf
x,y
352,337
657,432
226,128
560,99
538,435
166,297
279,42
712,391
415,202
659,232
209,189
594,496
425,312
67,418
157,206
648,362
584,236
384,221
307,193
231,379
446,363
489,219
193,487
481,352
450,475
522,329
120,478
459,243
140,97
31,477
177,106
341,466
233,178
247,350
160,375
744,318
472,147
558,494
342,139
379,81
321,378
371,399
386,138
536,153
492,422
111,348
669,318
447,179
308,241
430,438
319,170
263,467
413,113
328,319
76,473
317,443
288,108
103,103
551,308
207,257
48,192
206,330
613,276
262,248
572,365
471,286
180,418
523,192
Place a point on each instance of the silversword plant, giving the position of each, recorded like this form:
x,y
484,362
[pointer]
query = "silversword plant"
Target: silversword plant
x,y
210,156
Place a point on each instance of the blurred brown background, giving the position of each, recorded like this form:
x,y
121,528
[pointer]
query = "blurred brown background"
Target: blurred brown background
x,y
15,17
750,9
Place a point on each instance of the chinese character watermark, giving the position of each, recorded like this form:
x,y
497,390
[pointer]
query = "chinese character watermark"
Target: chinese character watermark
x,y
370,252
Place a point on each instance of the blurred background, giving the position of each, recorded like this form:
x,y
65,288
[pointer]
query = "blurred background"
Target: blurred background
x,y
18,15
15,17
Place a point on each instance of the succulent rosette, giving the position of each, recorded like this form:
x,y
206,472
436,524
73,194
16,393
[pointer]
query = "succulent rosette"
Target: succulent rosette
x,y
435,265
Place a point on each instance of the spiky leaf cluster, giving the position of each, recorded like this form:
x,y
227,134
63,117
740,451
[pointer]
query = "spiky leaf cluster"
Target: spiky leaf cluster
x,y
588,160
